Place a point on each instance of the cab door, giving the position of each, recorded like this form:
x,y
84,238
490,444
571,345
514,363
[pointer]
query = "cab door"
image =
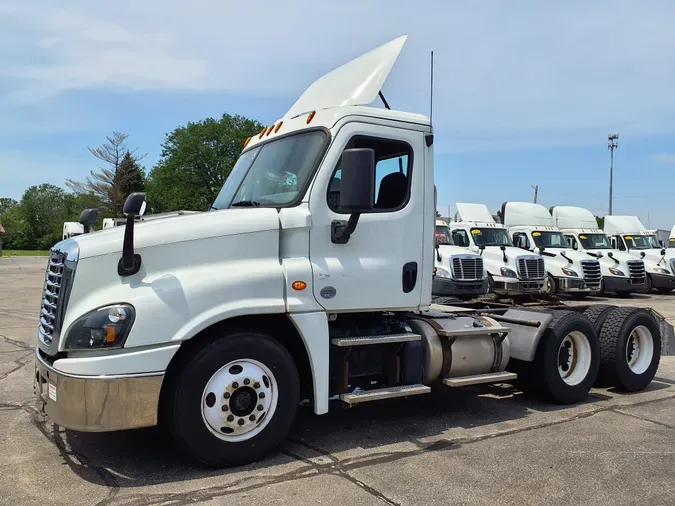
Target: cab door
x,y
380,267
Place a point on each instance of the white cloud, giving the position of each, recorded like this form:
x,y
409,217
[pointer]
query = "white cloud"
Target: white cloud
x,y
663,158
505,72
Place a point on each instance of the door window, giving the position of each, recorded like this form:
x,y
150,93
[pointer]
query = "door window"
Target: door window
x,y
520,240
461,238
571,242
393,166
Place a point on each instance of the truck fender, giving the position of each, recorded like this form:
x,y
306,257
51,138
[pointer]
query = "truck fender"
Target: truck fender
x,y
524,339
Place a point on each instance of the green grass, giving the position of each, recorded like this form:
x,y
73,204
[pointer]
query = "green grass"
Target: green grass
x,y
23,253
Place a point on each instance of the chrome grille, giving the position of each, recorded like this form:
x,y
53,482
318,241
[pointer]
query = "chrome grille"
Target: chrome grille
x,y
531,267
636,269
58,280
467,268
591,272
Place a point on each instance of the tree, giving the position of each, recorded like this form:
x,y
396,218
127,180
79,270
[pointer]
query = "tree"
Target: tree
x,y
128,179
43,210
106,184
196,160
6,204
601,222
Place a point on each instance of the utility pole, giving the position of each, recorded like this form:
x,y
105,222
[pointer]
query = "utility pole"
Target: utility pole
x,y
535,187
612,144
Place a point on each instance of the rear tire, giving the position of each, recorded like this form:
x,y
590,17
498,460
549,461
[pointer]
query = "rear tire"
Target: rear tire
x,y
567,359
630,349
233,400
598,314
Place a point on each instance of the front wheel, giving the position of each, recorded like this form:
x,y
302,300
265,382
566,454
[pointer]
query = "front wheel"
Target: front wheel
x,y
234,400
549,287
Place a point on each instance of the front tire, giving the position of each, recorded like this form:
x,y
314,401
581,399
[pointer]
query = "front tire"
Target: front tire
x,y
549,287
233,400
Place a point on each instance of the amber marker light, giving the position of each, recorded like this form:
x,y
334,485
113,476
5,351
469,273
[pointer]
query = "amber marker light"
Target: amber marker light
x,y
299,285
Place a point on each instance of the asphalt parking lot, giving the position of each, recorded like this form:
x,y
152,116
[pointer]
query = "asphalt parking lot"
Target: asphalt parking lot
x,y
488,445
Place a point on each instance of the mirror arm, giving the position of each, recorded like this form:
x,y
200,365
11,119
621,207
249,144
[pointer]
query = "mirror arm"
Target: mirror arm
x,y
130,263
438,253
341,231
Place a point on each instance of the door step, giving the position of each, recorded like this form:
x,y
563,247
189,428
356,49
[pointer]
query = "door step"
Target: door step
x,y
384,393
383,339
495,377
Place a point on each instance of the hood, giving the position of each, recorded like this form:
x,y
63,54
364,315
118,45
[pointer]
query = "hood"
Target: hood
x,y
575,256
493,255
188,227
447,250
357,82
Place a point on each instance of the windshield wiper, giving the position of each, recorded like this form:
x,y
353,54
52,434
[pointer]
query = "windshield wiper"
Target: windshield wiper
x,y
246,203
212,208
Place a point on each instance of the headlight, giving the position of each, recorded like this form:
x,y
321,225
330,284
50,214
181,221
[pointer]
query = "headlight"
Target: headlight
x,y
661,271
616,272
509,273
106,327
442,273
570,272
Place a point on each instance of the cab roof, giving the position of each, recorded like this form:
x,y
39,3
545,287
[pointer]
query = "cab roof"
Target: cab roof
x,y
623,225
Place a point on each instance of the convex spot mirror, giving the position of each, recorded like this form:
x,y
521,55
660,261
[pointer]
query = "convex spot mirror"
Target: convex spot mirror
x,y
135,204
357,187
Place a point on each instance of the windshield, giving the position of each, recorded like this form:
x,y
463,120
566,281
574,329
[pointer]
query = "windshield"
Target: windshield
x,y
491,237
545,239
443,235
641,241
273,174
594,241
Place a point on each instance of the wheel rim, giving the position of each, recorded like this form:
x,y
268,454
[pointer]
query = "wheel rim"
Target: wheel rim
x,y
548,286
239,400
574,358
639,349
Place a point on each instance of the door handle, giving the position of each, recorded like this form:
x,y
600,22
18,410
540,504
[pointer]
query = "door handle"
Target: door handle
x,y
409,277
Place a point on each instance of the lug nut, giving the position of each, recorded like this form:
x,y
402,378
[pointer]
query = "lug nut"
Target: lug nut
x,y
227,395
260,407
235,385
256,385
247,381
252,418
241,421
261,395
225,408
230,418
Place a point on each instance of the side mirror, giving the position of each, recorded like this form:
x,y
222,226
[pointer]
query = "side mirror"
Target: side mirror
x,y
357,190
130,263
357,185
663,251
88,219
481,248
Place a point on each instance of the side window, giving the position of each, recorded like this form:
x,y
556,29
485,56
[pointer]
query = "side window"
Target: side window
x,y
393,165
460,238
619,242
571,242
520,240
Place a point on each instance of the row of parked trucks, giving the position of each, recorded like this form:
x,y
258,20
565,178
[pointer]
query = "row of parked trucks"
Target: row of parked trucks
x,y
310,279
535,250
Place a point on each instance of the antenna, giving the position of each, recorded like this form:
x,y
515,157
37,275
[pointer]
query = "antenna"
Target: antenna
x,y
429,138
384,100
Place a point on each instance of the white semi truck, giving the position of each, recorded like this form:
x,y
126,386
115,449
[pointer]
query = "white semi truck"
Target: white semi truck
x,y
71,229
457,273
531,228
509,270
627,233
622,273
217,325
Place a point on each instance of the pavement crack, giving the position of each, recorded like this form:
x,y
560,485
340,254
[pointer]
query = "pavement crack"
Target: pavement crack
x,y
621,412
18,364
18,344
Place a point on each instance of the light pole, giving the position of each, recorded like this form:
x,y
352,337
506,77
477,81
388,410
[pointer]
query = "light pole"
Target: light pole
x,y
612,144
535,187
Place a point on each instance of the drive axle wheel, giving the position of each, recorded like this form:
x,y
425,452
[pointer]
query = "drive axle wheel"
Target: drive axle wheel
x,y
630,349
567,358
233,400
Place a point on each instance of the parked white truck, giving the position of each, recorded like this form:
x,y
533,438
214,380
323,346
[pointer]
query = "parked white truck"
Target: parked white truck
x,y
71,229
217,324
531,228
510,271
627,233
456,273
622,273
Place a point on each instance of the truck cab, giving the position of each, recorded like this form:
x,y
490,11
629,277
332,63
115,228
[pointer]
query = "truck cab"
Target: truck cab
x,y
510,271
72,229
309,280
531,228
628,234
622,273
456,273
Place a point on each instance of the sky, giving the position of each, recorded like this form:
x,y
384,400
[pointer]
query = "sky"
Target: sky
x,y
525,92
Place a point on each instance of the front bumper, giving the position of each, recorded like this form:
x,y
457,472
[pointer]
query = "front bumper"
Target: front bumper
x,y
662,281
96,403
617,284
571,285
446,286
516,287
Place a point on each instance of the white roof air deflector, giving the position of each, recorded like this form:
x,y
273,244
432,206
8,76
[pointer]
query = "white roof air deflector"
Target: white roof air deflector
x,y
623,225
357,82
474,212
526,214
573,217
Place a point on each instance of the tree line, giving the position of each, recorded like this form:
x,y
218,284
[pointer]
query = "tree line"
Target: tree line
x,y
195,161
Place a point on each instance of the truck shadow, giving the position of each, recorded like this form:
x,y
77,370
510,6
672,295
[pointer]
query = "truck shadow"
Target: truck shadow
x,y
438,421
